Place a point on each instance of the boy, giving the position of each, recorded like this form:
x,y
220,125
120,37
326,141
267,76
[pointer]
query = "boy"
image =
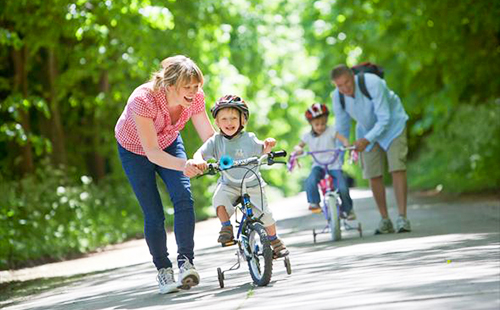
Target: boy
x,y
231,114
322,137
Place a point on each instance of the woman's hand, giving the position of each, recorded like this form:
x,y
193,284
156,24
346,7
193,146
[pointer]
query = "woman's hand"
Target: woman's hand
x,y
269,143
200,163
191,169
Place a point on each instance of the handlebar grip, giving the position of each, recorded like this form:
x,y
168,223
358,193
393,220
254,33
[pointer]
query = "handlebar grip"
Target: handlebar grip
x,y
279,153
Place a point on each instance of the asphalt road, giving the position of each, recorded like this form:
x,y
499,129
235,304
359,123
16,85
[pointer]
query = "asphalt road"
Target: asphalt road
x,y
451,260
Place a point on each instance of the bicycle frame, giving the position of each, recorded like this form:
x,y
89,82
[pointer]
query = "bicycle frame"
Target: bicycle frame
x,y
330,196
251,236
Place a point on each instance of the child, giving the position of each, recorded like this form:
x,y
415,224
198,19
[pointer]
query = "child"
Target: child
x,y
231,114
322,137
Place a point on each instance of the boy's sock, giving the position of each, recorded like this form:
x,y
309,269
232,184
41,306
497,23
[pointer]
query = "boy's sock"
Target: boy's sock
x,y
272,238
225,224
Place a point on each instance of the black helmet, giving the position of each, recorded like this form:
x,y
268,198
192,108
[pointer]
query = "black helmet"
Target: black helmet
x,y
230,101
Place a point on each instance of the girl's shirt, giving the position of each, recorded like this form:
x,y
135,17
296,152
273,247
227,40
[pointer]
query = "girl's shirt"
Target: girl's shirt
x,y
325,141
240,147
147,103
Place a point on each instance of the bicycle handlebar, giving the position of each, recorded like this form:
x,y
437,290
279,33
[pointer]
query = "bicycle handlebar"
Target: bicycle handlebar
x,y
293,157
227,163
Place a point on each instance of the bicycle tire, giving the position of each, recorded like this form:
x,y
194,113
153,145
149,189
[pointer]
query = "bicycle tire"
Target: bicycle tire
x,y
334,219
260,260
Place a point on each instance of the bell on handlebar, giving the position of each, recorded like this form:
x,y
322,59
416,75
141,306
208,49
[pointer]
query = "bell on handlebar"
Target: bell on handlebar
x,y
226,162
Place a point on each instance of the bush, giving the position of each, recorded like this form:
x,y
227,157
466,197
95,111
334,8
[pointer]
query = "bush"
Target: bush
x,y
47,216
462,157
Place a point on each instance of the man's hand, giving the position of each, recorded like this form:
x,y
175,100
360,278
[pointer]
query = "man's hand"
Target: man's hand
x,y
191,168
361,144
269,143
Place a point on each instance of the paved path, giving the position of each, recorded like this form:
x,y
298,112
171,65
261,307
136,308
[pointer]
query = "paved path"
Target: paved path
x,y
451,260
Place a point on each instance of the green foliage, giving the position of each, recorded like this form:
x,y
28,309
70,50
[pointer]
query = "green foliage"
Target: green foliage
x,y
50,216
462,157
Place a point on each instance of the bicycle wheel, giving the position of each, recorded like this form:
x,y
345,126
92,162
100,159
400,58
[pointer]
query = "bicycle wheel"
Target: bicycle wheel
x,y
260,259
334,219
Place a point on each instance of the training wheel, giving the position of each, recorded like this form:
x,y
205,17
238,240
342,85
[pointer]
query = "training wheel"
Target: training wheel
x,y
220,275
288,265
360,230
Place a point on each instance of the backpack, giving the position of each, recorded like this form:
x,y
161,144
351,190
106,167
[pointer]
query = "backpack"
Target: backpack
x,y
360,70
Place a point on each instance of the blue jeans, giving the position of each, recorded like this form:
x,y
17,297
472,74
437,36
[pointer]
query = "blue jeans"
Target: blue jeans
x,y
317,173
141,174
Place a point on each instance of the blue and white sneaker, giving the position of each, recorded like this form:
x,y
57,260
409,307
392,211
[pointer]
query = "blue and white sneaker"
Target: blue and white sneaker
x,y
166,281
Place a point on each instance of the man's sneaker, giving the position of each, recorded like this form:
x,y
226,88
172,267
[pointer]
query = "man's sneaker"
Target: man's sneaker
x,y
188,276
314,208
351,216
384,227
403,224
166,281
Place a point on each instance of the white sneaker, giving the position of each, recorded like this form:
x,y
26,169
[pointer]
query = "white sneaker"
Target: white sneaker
x,y
403,224
166,281
188,276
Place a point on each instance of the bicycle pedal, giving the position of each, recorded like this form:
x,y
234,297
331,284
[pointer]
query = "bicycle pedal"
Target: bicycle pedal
x,y
229,243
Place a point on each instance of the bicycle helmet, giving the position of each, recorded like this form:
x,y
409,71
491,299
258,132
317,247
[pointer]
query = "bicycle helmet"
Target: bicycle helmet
x,y
231,101
316,110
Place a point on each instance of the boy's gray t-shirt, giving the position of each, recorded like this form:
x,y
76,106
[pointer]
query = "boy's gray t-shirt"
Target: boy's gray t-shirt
x,y
243,146
325,141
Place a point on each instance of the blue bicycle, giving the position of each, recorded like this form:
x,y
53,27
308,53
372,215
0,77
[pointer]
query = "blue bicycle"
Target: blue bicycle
x,y
251,238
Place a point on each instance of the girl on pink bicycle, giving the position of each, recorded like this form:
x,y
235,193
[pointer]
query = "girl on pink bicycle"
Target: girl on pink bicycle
x,y
323,137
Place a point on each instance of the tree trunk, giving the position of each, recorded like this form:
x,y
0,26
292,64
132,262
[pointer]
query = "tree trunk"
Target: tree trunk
x,y
20,58
59,156
98,161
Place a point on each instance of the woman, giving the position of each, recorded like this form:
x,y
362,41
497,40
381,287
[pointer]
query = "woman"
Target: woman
x,y
149,142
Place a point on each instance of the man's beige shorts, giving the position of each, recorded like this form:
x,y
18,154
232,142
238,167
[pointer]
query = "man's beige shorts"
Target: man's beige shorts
x,y
227,195
373,162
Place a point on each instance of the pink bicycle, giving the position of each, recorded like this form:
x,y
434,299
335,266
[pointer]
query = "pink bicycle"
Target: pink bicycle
x,y
331,204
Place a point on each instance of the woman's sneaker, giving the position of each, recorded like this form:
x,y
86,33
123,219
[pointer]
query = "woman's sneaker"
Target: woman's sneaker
x,y
403,224
384,227
188,276
166,281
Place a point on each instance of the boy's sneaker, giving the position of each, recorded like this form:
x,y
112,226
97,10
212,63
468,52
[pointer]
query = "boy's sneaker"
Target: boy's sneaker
x,y
226,234
384,227
403,224
166,281
188,276
279,248
351,216
314,208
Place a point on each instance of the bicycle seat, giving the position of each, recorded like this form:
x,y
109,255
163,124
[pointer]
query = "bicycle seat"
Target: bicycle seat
x,y
238,201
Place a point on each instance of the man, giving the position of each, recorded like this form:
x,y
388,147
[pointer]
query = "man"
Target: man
x,y
380,133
